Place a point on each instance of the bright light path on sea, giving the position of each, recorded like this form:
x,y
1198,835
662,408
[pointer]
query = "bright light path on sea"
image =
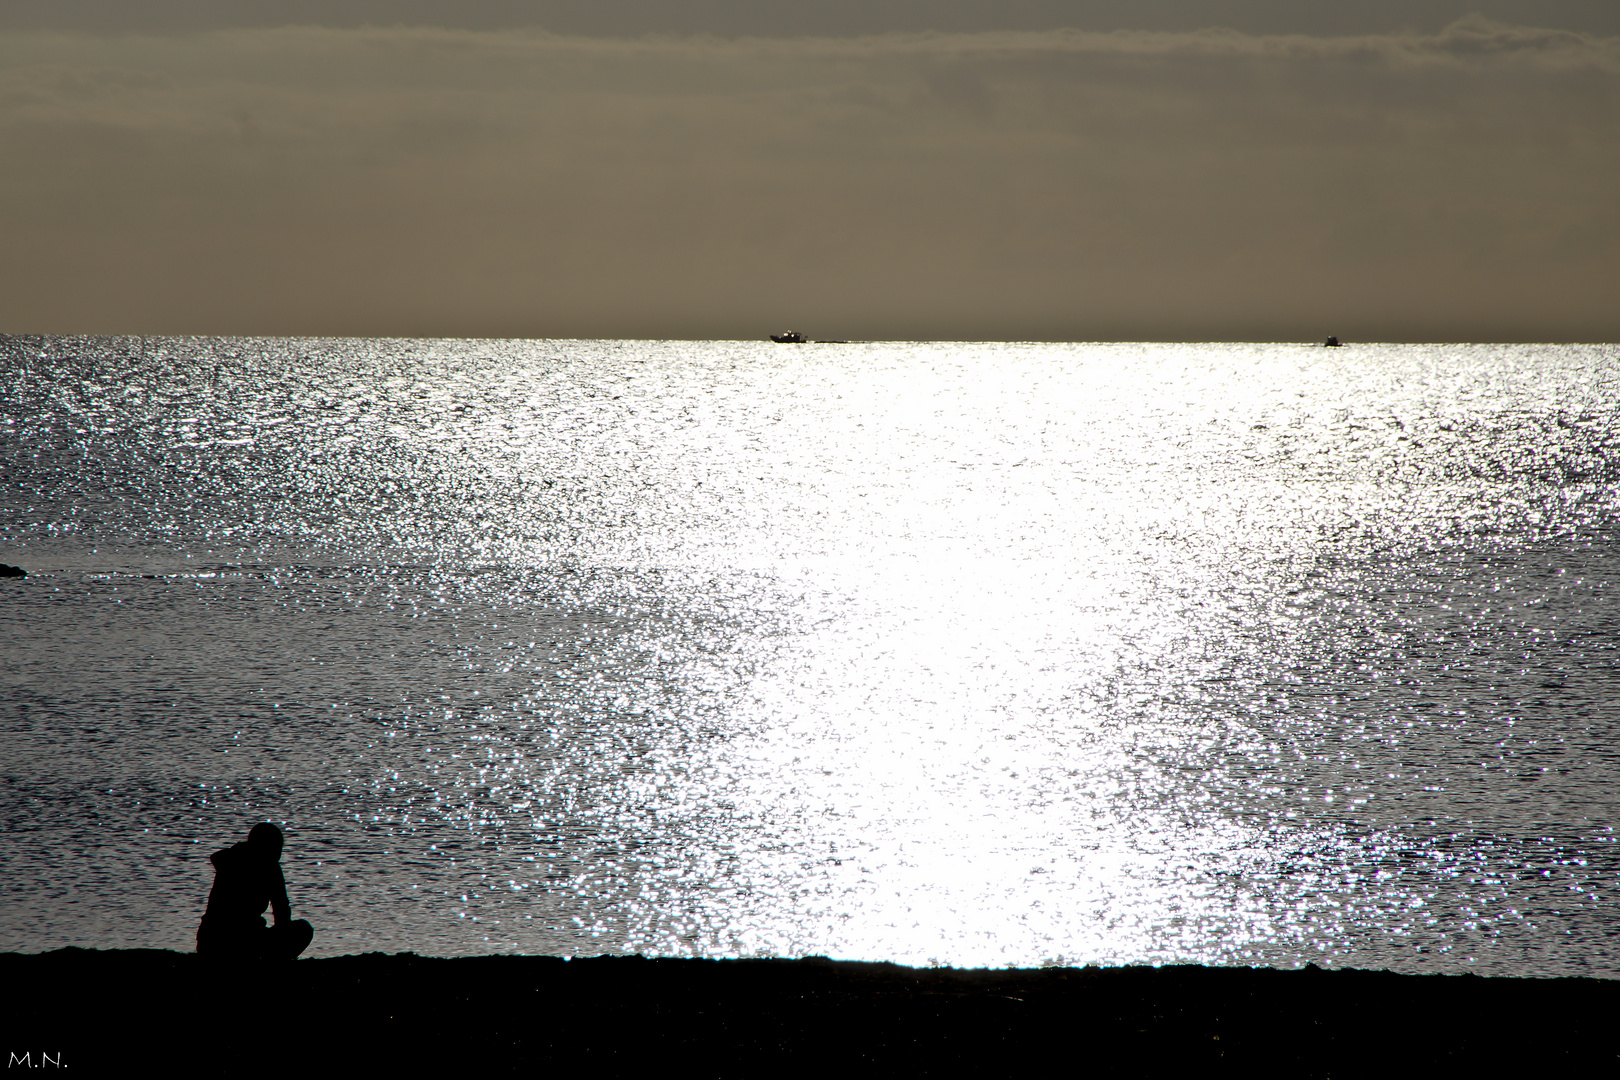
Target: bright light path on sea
x,y
969,654
967,737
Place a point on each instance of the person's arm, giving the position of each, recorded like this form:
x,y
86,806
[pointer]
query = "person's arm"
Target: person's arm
x,y
278,896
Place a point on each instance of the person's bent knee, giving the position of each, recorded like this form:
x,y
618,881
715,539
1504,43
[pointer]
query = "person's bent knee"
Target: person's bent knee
x,y
292,938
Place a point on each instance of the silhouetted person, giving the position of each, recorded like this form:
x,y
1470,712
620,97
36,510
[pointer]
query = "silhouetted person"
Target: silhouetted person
x,y
247,879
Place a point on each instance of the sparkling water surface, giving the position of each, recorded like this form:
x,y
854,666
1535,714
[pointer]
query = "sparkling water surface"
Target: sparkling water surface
x,y
935,653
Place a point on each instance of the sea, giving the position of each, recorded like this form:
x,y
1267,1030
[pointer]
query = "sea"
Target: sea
x,y
980,655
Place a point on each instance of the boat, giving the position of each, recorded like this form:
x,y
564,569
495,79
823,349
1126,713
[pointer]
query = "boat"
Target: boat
x,y
792,337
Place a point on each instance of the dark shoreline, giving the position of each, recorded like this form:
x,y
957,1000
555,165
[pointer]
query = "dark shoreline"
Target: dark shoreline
x,y
100,1012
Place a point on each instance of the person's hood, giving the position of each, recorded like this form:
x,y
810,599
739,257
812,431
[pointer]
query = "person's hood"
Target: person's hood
x,y
236,853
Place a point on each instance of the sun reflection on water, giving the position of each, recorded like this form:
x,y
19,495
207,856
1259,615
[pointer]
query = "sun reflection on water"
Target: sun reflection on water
x,y
927,653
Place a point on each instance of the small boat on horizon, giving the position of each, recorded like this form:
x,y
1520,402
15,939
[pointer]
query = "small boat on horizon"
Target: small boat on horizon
x,y
793,337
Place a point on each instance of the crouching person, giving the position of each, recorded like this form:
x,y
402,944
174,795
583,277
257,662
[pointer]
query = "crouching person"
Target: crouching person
x,y
247,879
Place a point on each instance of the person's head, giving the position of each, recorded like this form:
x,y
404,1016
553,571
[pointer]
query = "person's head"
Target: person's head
x,y
266,838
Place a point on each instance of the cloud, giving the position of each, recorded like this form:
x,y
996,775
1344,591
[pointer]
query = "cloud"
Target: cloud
x,y
1023,185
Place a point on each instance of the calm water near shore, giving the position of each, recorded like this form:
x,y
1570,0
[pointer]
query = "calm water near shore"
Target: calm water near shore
x,y
958,653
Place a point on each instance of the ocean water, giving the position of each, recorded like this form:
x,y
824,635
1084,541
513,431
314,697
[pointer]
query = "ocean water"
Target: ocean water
x,y
969,654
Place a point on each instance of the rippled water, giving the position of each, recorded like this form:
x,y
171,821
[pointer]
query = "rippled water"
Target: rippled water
x,y
969,654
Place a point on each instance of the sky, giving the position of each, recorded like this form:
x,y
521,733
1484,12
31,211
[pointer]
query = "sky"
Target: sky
x,y
888,169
